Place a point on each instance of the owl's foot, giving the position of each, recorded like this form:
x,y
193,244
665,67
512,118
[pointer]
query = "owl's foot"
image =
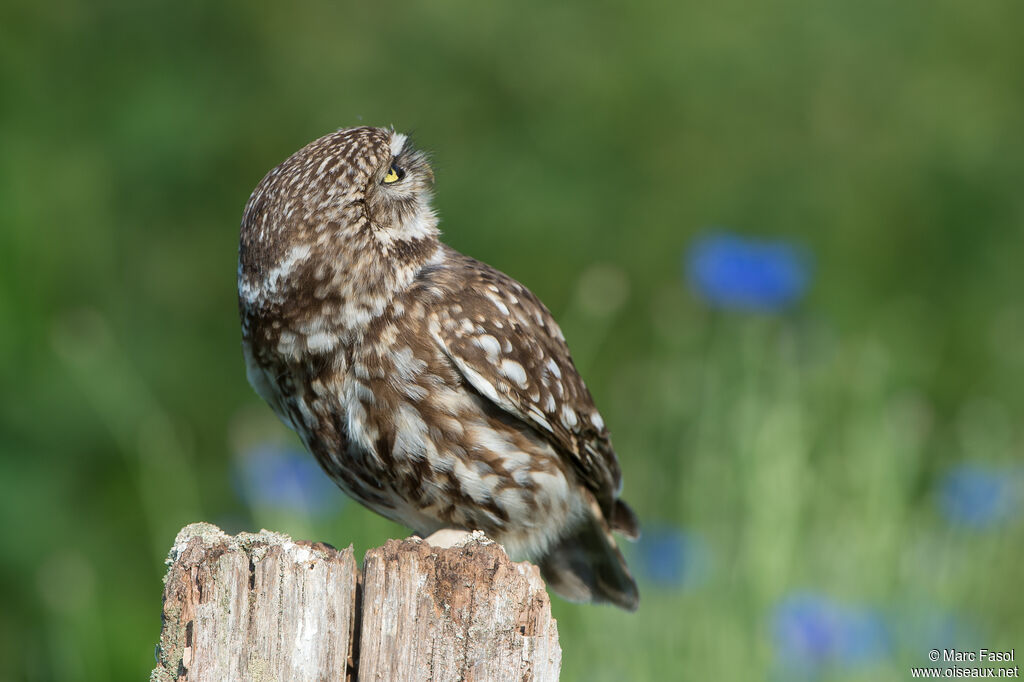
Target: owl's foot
x,y
446,538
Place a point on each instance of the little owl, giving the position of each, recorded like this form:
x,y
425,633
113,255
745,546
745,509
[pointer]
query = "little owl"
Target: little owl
x,y
430,387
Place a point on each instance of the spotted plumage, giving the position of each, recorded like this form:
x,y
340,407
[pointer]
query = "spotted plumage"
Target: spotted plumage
x,y
432,388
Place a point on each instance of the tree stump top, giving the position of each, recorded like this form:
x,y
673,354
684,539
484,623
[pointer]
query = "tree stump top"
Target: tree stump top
x,y
260,606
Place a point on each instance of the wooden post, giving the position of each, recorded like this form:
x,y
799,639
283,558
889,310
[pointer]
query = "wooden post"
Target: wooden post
x,y
263,607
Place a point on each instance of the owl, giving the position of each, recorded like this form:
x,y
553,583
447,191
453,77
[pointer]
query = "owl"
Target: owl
x,y
432,388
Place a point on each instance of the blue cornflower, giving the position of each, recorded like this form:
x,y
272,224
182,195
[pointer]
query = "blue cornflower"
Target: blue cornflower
x,y
672,557
978,496
812,631
287,479
734,272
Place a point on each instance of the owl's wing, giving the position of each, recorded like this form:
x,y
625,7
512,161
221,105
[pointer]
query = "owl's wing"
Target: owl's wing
x,y
509,348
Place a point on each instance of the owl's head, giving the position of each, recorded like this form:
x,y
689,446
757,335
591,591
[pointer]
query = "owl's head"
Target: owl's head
x,y
352,200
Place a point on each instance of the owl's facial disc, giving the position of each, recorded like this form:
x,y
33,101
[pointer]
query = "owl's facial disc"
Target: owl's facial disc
x,y
314,214
398,197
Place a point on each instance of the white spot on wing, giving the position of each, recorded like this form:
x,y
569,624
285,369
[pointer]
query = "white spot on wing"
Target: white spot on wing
x,y
489,344
514,371
568,417
481,384
477,380
540,419
498,303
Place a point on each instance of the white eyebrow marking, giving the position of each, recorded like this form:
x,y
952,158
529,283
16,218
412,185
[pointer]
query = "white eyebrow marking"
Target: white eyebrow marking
x,y
397,142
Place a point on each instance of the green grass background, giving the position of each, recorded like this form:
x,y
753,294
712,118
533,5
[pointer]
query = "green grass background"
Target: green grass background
x,y
580,147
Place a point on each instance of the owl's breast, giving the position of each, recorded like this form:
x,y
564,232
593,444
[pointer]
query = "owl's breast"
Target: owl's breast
x,y
396,425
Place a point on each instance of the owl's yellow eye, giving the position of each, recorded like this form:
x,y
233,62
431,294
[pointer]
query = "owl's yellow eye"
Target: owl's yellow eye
x,y
394,175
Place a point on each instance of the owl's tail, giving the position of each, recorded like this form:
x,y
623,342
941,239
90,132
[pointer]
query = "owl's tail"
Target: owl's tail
x,y
587,566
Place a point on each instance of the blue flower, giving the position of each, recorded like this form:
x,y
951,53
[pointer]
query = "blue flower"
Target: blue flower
x,y
734,272
286,479
672,557
976,496
812,631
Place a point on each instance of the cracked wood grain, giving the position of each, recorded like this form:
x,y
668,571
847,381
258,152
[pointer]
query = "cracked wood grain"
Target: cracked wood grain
x,y
264,607
255,607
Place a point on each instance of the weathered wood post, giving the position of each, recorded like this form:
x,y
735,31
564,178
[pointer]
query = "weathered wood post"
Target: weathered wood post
x,y
264,607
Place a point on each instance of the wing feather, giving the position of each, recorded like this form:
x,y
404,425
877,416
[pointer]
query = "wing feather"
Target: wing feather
x,y
508,347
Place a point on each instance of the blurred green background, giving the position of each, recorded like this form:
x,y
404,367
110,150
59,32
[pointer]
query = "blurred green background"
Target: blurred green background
x,y
830,484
